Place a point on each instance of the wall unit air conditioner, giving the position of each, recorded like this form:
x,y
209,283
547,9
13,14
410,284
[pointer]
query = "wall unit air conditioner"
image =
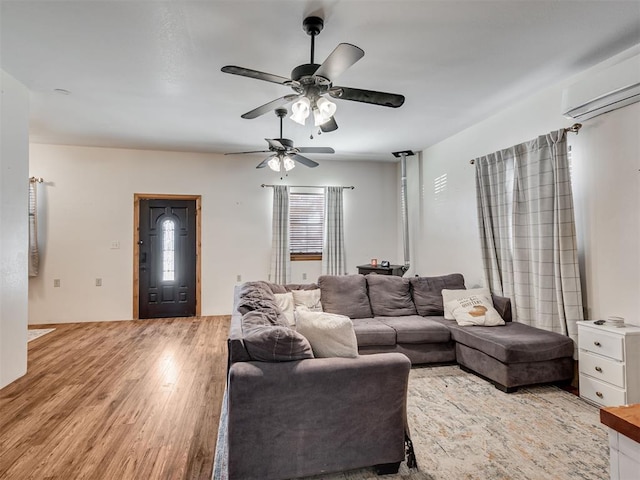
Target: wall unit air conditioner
x,y
604,91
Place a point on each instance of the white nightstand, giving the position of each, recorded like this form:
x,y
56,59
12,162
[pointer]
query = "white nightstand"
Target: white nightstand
x,y
609,362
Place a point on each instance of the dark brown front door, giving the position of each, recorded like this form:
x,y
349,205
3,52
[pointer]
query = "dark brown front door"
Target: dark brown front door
x,y
167,258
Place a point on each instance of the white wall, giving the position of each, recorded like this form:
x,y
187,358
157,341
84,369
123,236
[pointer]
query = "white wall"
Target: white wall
x,y
87,203
607,200
14,158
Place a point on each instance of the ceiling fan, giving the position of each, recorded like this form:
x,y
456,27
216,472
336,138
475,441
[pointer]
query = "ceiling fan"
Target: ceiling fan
x,y
286,154
311,81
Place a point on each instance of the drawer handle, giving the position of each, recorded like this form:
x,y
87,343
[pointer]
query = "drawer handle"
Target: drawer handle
x,y
597,344
599,394
598,369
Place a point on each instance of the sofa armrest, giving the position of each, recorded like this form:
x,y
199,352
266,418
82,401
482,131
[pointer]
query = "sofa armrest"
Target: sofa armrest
x,y
503,306
293,419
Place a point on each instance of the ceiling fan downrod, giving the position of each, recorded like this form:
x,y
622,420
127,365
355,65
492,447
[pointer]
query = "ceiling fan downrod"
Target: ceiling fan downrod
x,y
313,26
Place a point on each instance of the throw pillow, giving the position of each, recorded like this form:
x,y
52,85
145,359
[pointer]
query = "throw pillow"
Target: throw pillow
x,y
307,298
448,295
474,310
285,304
390,296
427,292
330,335
345,295
272,343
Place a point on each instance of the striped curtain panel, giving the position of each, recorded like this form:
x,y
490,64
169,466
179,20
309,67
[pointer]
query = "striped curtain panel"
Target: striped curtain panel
x,y
525,212
280,256
333,257
34,255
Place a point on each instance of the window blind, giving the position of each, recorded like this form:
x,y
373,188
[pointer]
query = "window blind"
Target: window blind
x,y
306,219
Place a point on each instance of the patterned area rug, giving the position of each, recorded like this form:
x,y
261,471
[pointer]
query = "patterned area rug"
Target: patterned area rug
x,y
464,428
34,333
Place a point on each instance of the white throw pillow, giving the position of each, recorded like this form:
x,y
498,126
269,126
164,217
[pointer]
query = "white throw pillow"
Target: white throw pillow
x,y
285,303
448,295
474,310
329,334
307,298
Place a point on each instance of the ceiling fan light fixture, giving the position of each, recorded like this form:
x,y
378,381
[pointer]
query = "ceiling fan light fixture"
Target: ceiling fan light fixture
x,y
301,110
288,163
274,164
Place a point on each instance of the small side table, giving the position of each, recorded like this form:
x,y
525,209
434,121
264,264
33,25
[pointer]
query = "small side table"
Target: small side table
x,y
397,270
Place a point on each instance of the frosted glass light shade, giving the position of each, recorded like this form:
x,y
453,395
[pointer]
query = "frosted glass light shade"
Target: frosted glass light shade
x,y
288,163
301,110
274,164
326,109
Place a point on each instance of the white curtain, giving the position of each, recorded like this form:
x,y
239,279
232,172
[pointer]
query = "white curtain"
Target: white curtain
x,y
525,213
280,257
333,257
34,255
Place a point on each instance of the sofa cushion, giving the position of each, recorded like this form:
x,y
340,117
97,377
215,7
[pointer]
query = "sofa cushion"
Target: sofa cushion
x,y
345,295
372,332
449,295
285,304
330,334
427,292
390,295
514,342
416,329
474,310
266,342
309,299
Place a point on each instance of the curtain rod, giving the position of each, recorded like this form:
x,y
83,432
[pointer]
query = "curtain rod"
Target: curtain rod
x,y
36,179
306,186
573,129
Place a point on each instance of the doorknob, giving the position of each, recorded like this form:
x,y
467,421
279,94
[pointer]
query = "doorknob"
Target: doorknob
x,y
140,242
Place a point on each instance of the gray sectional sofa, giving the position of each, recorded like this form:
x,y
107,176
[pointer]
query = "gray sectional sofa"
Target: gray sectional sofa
x,y
293,415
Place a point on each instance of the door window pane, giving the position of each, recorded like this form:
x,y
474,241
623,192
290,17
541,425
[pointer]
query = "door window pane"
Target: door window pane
x,y
168,250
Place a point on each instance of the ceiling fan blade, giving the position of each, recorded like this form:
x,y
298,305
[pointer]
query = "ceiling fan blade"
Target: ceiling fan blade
x,y
275,144
242,153
267,107
367,96
329,126
304,160
264,163
247,72
315,150
342,57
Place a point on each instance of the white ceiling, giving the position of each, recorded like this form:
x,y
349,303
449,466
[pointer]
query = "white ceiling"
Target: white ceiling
x,y
146,74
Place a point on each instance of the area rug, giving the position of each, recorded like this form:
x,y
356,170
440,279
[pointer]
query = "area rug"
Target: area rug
x,y
34,333
464,428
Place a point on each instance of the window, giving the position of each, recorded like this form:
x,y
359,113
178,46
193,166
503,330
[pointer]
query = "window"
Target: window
x,y
168,250
306,221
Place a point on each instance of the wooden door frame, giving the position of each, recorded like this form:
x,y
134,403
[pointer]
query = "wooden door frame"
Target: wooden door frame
x,y
136,247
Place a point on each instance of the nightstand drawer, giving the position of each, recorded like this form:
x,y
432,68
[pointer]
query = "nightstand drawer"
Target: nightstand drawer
x,y
600,392
601,343
602,368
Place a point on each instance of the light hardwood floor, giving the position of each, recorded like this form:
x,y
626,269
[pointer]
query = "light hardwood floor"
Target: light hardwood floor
x,y
117,401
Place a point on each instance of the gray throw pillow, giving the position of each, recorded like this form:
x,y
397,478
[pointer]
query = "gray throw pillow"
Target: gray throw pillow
x,y
272,343
427,292
345,295
390,296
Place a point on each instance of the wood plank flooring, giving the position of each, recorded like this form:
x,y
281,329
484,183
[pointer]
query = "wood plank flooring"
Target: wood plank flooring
x,y
117,401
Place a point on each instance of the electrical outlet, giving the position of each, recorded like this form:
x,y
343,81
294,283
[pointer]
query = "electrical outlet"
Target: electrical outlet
x,y
98,282
304,276
56,282
115,245
238,278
